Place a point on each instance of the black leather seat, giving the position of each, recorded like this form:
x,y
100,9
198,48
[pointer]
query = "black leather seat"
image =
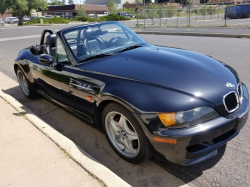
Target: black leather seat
x,y
51,44
92,42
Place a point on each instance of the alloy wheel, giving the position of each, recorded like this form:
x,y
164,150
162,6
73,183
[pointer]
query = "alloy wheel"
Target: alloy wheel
x,y
23,82
122,134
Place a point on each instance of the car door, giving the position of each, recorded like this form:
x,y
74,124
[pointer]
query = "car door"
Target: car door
x,y
83,88
53,80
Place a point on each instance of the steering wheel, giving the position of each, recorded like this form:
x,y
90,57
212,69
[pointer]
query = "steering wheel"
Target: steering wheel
x,y
111,40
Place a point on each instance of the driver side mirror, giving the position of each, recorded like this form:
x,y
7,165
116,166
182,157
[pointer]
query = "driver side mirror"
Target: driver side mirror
x,y
46,59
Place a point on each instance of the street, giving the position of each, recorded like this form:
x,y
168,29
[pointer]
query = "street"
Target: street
x,y
231,167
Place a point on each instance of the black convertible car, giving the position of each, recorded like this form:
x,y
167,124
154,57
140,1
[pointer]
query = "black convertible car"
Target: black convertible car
x,y
148,100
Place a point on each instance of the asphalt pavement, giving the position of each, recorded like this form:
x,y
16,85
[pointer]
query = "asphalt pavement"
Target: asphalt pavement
x,y
231,167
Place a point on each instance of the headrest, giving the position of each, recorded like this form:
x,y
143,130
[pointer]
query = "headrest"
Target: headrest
x,y
91,35
51,40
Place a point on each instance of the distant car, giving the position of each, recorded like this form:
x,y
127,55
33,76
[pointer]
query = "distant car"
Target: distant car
x,y
14,20
126,15
1,21
26,18
7,19
91,15
48,16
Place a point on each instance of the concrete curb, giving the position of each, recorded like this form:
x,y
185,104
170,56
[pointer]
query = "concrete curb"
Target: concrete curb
x,y
91,165
224,35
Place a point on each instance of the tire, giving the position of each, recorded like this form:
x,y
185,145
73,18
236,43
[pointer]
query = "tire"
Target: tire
x,y
124,134
25,85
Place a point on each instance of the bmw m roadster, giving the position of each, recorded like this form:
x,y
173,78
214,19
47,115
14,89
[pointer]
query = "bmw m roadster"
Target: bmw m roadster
x,y
149,100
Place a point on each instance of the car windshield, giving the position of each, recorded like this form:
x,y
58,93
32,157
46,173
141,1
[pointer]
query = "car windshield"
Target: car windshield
x,y
100,40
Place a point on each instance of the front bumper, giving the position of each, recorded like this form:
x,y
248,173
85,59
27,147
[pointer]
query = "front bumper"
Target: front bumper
x,y
198,143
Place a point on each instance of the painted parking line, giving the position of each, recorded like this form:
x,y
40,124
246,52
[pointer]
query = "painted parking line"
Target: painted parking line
x,y
19,38
16,27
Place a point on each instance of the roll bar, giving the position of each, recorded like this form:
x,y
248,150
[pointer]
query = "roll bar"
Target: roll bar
x,y
43,34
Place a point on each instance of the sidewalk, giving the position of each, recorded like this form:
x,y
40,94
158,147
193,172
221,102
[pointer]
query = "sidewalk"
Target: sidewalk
x,y
197,31
29,158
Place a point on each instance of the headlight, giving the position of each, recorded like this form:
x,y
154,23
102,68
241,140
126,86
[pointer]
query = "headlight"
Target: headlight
x,y
187,118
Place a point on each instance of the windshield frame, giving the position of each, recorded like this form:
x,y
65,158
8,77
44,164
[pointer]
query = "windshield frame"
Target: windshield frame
x,y
81,61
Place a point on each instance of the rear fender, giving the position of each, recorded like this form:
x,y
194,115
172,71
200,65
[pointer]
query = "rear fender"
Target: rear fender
x,y
25,61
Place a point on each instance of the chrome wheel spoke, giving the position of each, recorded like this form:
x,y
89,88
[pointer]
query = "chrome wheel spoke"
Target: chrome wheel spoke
x,y
122,122
114,124
132,137
128,144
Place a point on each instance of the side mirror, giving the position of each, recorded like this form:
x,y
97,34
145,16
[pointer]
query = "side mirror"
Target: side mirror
x,y
46,59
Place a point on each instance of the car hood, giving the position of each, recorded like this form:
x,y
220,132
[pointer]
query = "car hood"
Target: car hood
x,y
181,70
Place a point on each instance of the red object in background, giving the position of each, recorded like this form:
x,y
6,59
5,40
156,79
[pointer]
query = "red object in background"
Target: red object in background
x,y
141,9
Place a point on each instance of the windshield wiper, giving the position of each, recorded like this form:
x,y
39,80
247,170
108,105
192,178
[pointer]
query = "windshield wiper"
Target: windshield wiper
x,y
128,48
97,56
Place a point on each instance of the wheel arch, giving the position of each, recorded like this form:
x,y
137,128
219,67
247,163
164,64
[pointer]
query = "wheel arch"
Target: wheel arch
x,y
104,102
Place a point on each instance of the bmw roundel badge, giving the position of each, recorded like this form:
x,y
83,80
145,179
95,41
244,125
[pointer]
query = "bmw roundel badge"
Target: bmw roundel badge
x,y
229,85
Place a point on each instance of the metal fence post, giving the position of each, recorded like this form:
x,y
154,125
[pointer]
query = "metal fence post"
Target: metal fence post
x,y
166,17
144,14
226,13
137,16
189,14
177,17
218,12
160,17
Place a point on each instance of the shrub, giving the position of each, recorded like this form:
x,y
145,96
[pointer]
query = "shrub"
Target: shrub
x,y
112,17
202,11
211,10
56,20
83,19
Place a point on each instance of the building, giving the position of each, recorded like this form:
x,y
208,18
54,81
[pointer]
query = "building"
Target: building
x,y
104,2
69,11
6,14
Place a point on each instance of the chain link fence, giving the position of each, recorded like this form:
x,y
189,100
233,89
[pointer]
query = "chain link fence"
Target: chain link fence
x,y
200,16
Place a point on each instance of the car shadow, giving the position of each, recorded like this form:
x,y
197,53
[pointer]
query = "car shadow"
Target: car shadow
x,y
149,173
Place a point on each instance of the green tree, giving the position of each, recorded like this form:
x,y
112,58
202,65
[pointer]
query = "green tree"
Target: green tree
x,y
126,3
55,2
112,6
70,2
138,1
81,11
148,1
20,8
4,5
63,2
